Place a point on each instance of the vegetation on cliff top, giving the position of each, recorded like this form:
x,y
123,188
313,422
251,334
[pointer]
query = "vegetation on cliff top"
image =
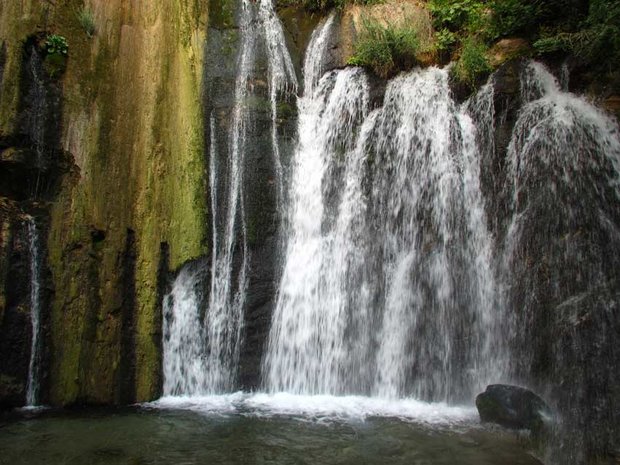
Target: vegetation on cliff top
x,y
589,30
465,31
324,5
385,48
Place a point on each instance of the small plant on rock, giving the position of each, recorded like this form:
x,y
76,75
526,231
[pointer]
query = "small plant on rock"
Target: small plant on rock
x,y
473,62
87,20
56,45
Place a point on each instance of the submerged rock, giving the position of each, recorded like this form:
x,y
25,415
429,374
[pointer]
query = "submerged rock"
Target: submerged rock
x,y
512,407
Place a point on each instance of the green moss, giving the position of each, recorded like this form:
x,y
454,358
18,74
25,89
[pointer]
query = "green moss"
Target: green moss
x,y
286,110
54,65
222,14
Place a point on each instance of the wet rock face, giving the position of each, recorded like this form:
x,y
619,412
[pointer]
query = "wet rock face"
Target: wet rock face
x,y
15,333
562,287
31,168
31,161
585,372
512,407
16,300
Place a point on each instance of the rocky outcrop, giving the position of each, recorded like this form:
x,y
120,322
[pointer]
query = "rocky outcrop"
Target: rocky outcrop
x,y
508,49
513,407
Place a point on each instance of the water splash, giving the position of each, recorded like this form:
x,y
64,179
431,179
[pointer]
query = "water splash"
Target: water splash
x,y
325,409
184,365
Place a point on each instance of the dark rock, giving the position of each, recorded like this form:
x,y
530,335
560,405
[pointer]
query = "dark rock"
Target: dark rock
x,y
12,391
15,328
512,407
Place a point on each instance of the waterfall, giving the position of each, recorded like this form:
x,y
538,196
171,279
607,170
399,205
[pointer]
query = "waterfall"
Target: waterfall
x,y
306,348
315,55
388,287
560,259
37,99
282,79
438,285
564,179
34,366
420,261
208,364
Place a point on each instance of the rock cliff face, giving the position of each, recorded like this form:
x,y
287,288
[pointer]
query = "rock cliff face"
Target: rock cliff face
x,y
124,123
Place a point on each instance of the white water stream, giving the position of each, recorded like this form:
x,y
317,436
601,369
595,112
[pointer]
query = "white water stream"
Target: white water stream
x,y
34,365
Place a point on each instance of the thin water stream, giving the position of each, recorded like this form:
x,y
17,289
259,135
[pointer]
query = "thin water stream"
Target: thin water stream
x,y
34,365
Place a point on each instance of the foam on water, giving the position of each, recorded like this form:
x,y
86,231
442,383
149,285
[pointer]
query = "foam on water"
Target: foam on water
x,y
323,408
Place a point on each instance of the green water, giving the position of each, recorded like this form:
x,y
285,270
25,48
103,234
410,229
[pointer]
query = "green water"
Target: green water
x,y
141,437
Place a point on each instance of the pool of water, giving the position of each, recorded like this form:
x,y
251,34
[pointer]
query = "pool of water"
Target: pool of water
x,y
259,429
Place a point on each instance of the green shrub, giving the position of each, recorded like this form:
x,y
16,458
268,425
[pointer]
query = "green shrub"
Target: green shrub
x,y
56,45
87,20
385,49
509,17
445,39
473,62
597,40
457,15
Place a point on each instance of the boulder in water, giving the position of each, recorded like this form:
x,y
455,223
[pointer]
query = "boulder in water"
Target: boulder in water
x,y
512,407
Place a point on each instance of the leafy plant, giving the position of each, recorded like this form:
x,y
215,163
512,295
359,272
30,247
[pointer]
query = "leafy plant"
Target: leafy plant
x,y
385,48
445,39
512,16
473,62
457,15
56,45
87,20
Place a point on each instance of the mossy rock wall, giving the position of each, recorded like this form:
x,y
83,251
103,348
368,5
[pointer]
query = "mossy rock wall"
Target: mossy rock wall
x,y
133,125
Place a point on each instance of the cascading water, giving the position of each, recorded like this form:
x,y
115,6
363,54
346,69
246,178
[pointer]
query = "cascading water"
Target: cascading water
x,y
185,370
34,365
561,257
387,286
282,79
209,365
35,122
575,148
437,281
306,351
